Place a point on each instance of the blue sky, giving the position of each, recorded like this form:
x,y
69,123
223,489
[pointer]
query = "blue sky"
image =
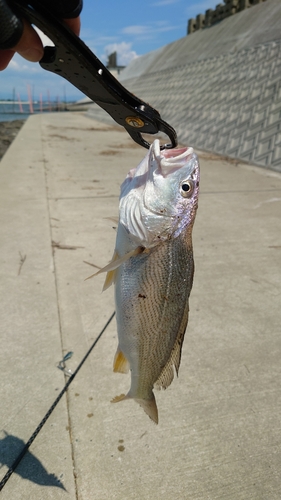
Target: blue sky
x,y
131,27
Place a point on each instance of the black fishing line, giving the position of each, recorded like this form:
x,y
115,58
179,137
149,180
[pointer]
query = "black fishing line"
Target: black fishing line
x,y
51,409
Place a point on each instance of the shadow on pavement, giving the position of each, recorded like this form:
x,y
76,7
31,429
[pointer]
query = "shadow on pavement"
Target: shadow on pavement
x,y
30,467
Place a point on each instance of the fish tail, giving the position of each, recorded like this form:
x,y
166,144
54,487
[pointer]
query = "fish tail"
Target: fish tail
x,y
149,405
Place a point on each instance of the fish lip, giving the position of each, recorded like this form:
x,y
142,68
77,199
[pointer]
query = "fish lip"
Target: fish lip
x,y
169,160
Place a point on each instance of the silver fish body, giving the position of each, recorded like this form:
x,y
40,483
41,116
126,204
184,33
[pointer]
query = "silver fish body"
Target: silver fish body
x,y
153,268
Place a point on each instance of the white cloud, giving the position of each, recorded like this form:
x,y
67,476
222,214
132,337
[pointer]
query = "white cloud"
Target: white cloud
x,y
125,54
135,30
148,31
20,65
94,40
14,65
164,2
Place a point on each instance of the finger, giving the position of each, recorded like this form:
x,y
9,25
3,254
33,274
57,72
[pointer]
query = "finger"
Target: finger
x,y
5,57
74,24
30,46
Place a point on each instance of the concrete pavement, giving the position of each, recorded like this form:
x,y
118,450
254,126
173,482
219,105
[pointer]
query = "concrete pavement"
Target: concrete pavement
x,y
219,432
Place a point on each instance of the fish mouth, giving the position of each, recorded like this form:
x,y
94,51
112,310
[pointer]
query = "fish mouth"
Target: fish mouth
x,y
170,159
173,153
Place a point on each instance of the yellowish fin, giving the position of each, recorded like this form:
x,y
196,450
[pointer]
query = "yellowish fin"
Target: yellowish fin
x,y
149,405
109,280
110,276
120,364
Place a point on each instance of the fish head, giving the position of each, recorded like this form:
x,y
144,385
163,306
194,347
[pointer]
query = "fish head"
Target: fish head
x,y
159,198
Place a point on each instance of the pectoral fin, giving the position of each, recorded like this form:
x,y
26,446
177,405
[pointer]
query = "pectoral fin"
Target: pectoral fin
x,y
110,276
115,262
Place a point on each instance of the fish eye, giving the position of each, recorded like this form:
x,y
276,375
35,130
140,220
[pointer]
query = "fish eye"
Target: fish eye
x,y
186,188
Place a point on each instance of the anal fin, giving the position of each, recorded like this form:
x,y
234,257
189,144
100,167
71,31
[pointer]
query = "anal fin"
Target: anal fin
x,y
120,364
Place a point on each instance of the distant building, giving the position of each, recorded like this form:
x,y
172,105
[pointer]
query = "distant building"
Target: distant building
x,y
112,65
213,16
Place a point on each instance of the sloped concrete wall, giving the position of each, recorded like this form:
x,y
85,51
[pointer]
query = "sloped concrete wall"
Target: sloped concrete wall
x,y
259,24
229,103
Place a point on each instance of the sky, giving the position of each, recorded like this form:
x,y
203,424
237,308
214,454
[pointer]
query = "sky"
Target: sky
x,y
130,27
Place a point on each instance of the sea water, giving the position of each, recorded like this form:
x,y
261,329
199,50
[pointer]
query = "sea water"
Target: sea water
x,y
11,110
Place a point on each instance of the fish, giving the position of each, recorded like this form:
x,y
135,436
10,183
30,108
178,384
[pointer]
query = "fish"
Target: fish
x,y
152,270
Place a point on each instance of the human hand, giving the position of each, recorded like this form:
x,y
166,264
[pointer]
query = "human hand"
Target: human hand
x,y
30,46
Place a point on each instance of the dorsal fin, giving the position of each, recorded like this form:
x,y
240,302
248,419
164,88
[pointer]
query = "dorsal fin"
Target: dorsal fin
x,y
167,375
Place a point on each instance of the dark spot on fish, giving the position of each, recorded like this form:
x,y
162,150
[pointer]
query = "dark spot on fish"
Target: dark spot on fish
x,y
121,441
121,447
90,398
76,394
141,296
90,415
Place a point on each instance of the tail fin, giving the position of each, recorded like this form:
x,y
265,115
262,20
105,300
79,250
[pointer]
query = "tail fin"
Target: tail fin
x,y
149,405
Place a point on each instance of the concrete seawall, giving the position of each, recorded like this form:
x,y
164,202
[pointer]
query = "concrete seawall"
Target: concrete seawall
x,y
219,87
